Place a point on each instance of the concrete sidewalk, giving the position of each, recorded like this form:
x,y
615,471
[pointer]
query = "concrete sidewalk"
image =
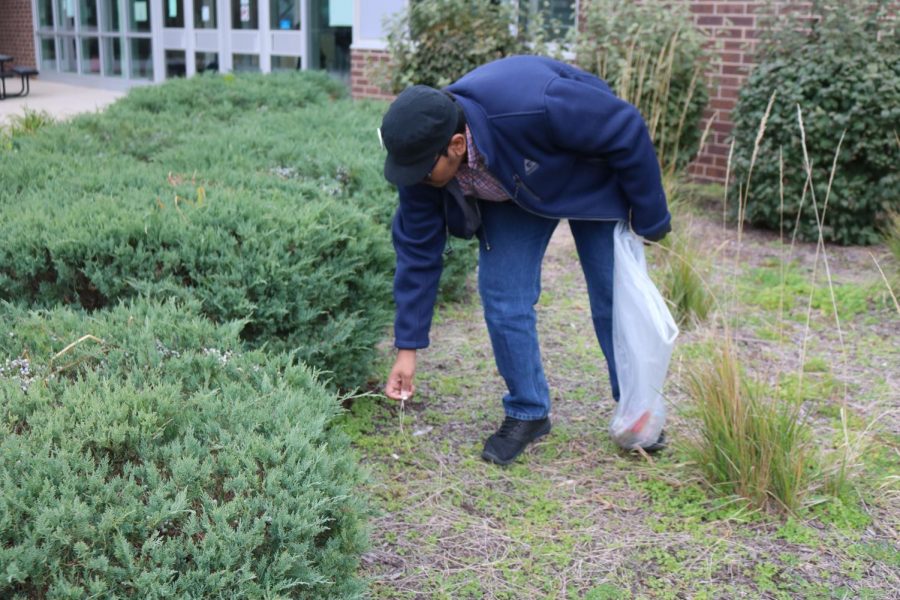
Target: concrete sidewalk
x,y
59,99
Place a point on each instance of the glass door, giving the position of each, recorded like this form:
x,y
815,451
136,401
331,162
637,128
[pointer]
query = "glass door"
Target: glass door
x,y
330,36
108,38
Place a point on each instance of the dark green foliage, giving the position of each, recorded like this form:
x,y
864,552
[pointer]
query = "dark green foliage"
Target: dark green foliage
x,y
844,74
652,56
312,277
261,197
160,460
435,42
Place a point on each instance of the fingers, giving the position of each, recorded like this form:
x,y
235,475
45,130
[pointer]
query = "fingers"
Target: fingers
x,y
399,387
400,381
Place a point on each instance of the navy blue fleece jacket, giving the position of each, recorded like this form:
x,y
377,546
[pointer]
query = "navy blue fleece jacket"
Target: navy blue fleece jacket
x,y
560,143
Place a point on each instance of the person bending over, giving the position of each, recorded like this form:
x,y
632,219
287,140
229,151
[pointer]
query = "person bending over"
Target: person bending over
x,y
535,141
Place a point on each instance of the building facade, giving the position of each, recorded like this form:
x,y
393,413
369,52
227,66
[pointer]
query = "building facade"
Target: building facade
x,y
119,43
733,27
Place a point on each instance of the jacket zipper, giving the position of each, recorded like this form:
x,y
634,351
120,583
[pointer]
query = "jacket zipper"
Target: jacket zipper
x,y
515,198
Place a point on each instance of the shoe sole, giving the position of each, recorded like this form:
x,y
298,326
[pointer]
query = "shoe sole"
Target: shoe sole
x,y
657,446
497,461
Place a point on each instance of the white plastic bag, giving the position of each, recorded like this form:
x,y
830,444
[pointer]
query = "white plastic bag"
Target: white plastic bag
x,y
644,333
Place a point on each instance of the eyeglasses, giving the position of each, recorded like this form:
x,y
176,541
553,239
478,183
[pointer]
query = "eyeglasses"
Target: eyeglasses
x,y
433,165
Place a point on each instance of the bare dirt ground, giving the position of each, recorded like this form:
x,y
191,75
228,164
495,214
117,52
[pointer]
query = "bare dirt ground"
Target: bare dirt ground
x,y
576,518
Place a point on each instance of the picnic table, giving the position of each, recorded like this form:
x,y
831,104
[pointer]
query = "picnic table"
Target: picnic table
x,y
23,73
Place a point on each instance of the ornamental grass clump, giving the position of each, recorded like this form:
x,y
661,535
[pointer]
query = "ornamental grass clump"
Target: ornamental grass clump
x,y
146,454
750,443
681,276
652,56
682,283
755,440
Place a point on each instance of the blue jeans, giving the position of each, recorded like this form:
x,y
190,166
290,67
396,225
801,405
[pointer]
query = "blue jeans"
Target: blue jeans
x,y
509,280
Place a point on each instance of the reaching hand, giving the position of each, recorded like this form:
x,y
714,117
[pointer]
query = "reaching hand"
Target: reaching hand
x,y
400,382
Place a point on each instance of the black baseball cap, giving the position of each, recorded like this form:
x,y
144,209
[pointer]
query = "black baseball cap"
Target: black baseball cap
x,y
417,126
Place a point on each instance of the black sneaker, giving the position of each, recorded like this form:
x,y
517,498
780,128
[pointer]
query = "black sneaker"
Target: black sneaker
x,y
513,436
659,444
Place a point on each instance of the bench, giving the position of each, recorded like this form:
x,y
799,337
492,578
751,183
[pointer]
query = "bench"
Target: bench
x,y
24,74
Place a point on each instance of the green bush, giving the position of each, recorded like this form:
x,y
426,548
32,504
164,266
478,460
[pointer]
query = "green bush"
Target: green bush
x,y
844,74
310,277
262,197
159,460
435,42
653,57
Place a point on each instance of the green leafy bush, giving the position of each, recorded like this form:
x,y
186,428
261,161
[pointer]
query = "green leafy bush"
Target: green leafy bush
x,y
435,42
843,72
311,277
263,198
157,459
653,57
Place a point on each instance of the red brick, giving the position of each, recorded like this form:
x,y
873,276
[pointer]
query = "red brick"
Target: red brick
x,y
716,173
742,21
728,92
722,105
17,32
702,8
730,8
717,149
734,69
710,21
730,57
730,80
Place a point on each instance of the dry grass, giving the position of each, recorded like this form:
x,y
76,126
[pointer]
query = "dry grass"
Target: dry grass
x,y
575,517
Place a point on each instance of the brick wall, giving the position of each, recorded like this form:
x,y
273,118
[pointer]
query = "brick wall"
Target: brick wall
x,y
732,26
363,64
17,31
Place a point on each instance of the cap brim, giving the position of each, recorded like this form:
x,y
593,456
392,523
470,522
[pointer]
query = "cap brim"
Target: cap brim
x,y
405,175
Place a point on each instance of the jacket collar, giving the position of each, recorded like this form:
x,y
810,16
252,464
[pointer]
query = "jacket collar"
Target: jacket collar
x,y
478,125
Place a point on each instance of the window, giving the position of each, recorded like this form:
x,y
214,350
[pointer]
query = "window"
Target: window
x,y
48,54
204,15
286,63
330,35
174,13
87,11
68,62
139,15
112,57
207,61
90,56
285,14
65,14
141,59
45,13
245,63
110,21
175,64
244,14
561,12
